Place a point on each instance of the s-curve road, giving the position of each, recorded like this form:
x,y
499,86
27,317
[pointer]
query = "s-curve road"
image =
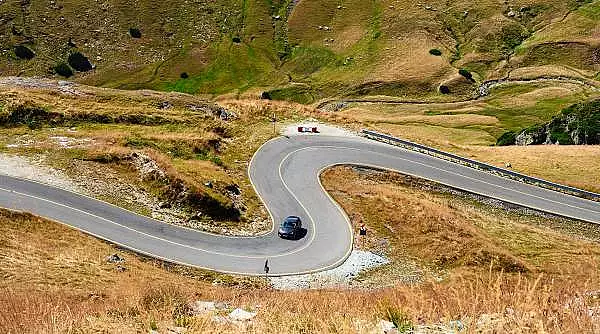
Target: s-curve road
x,y
285,173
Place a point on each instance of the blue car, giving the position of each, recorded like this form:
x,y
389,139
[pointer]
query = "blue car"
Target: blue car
x,y
290,228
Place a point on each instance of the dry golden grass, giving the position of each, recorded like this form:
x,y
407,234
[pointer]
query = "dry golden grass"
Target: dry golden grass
x,y
451,232
572,165
401,117
438,136
56,280
530,99
533,72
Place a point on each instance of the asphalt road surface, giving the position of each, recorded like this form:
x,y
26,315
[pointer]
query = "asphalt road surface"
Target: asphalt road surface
x,y
285,173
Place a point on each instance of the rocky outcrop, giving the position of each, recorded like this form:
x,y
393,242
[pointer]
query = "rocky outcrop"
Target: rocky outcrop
x,y
578,124
531,136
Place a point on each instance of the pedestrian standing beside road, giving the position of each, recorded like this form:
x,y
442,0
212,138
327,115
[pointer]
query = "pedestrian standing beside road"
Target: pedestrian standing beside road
x,y
362,234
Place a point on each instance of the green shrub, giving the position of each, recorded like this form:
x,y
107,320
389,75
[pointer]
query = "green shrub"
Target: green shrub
x,y
184,75
444,89
63,69
398,317
303,94
508,138
153,325
465,73
265,96
435,52
23,52
139,142
512,36
236,39
80,62
135,33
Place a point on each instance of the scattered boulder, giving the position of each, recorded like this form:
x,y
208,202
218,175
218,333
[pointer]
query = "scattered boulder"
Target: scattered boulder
x,y
224,114
456,325
200,307
70,43
240,315
165,105
115,258
387,327
176,330
234,189
532,136
147,167
23,52
119,268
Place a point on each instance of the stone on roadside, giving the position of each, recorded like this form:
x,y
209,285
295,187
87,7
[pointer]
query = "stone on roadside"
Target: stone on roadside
x,y
115,258
176,330
202,307
387,327
240,315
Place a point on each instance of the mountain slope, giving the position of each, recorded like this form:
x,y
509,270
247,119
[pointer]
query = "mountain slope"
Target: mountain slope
x,y
306,50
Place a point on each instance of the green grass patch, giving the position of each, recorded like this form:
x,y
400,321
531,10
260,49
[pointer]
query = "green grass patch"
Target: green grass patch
x,y
295,93
308,60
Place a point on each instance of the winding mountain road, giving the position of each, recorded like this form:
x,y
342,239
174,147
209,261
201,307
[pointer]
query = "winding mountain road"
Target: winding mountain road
x,y
285,173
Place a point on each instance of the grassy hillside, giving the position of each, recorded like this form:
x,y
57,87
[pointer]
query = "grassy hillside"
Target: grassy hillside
x,y
306,50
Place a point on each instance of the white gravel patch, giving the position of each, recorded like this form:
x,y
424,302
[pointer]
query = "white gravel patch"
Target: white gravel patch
x,y
322,128
357,262
32,169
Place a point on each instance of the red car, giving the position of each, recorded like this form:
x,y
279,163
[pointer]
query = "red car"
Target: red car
x,y
312,129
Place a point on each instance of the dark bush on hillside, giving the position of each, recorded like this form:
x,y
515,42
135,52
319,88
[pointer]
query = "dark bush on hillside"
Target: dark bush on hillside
x,y
32,116
237,40
508,138
23,52
466,74
512,36
184,75
63,69
444,89
79,62
135,33
435,52
265,95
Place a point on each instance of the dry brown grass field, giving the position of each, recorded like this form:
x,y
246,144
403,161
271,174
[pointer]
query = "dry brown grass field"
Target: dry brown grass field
x,y
56,280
